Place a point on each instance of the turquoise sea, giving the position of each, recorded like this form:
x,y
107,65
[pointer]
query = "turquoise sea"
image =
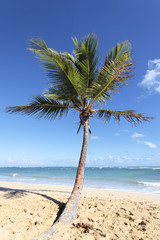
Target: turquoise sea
x,y
133,179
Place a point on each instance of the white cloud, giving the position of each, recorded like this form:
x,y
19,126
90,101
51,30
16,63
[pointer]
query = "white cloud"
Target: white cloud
x,y
127,158
10,160
126,130
117,134
119,159
94,137
149,144
137,135
151,80
88,161
110,157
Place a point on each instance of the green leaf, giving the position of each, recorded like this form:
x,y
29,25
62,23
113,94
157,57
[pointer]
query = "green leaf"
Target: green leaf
x,y
37,45
114,74
86,60
60,71
129,115
118,51
42,107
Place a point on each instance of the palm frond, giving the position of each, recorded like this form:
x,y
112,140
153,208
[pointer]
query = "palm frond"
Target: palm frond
x,y
86,60
37,45
42,107
54,94
112,75
69,57
118,51
60,71
129,115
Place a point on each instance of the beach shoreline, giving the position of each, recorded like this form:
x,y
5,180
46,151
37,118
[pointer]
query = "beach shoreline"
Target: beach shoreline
x,y
87,192
28,209
123,179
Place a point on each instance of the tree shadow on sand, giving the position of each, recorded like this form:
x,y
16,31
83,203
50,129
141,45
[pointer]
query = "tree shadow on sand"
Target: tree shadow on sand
x,y
19,193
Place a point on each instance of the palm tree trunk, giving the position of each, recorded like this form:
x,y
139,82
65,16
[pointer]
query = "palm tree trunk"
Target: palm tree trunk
x,y
69,212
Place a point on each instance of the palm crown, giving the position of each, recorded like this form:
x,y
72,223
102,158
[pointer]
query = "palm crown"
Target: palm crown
x,y
78,83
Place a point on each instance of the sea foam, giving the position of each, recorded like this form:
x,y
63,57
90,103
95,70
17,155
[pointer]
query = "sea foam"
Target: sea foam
x,y
15,175
151,184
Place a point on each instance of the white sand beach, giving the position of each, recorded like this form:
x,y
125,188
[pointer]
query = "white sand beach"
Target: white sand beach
x,y
27,210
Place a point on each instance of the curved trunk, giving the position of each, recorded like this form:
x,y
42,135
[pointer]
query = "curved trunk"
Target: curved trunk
x,y
69,212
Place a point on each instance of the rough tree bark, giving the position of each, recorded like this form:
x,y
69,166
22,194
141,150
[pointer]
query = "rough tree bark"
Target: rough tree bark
x,y
70,209
69,212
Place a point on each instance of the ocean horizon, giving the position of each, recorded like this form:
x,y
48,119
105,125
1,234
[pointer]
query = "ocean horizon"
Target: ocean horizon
x,y
129,179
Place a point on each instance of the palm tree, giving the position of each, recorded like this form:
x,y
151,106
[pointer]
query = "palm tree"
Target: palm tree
x,y
78,83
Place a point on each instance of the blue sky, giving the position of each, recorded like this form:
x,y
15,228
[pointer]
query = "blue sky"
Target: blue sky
x,y
25,141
